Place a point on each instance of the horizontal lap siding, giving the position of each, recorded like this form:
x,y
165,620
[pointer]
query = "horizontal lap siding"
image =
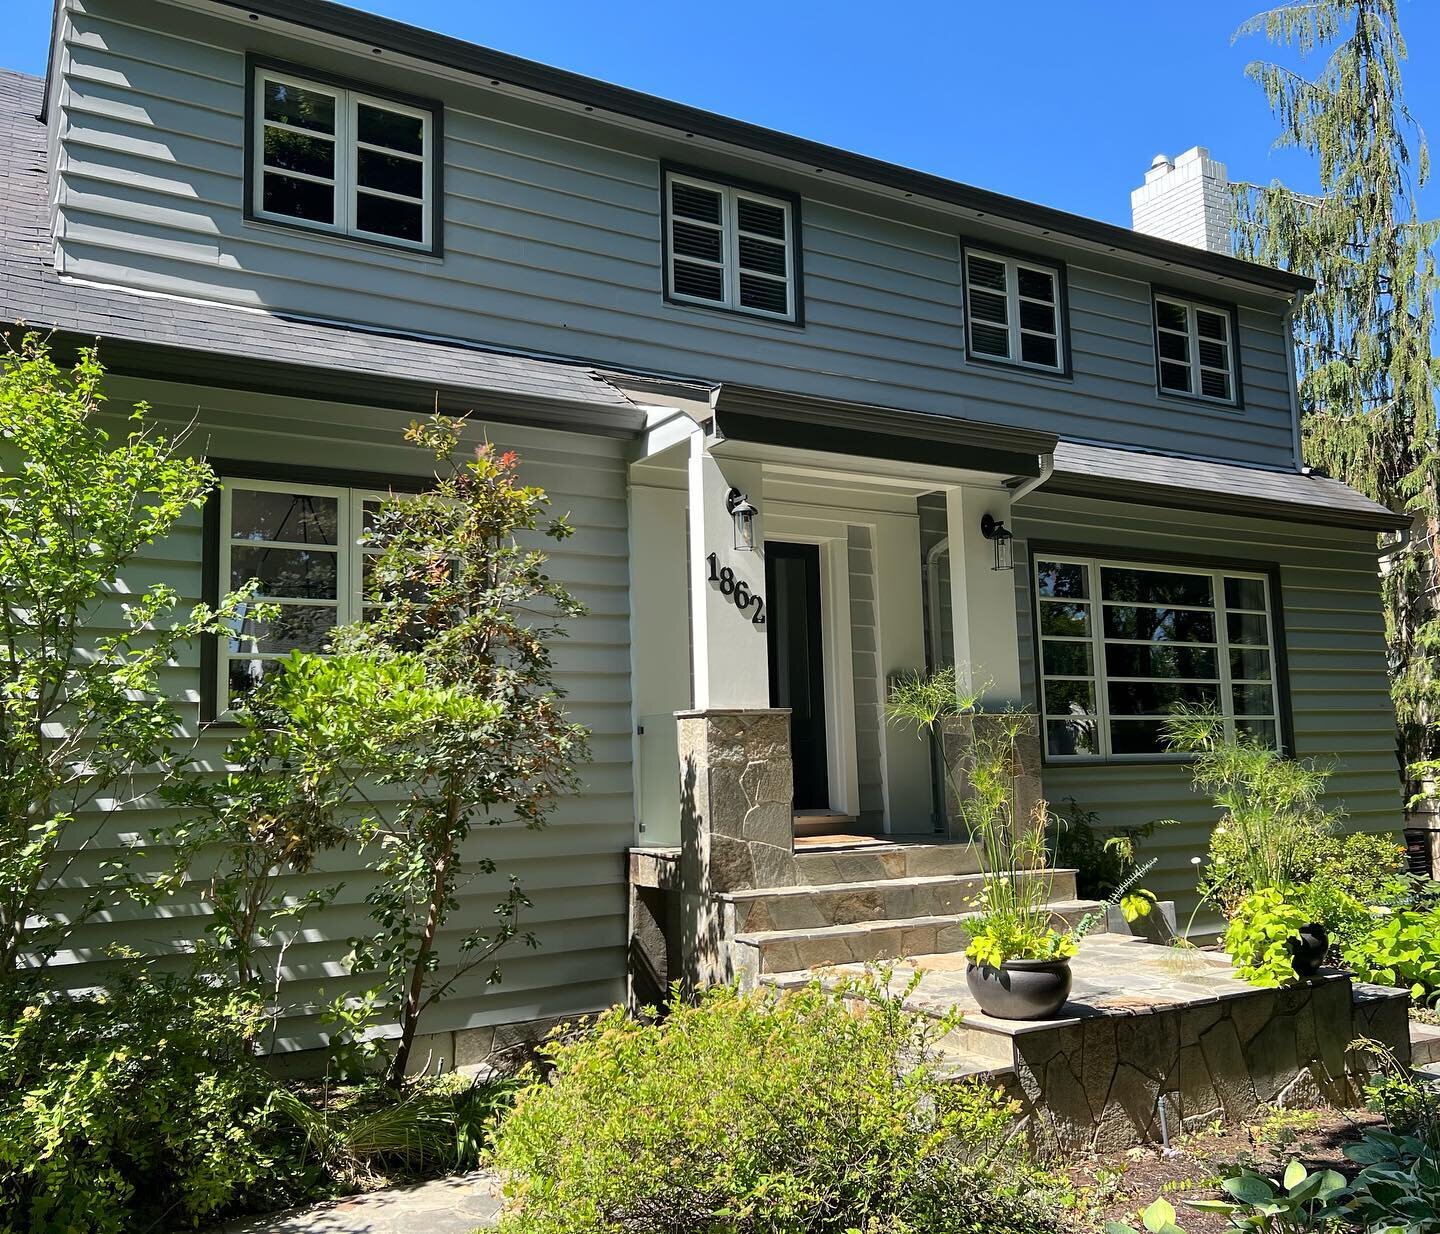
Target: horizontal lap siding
x,y
553,244
1335,640
573,869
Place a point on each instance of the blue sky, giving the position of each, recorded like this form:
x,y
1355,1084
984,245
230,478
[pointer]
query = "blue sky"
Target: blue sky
x,y
1063,102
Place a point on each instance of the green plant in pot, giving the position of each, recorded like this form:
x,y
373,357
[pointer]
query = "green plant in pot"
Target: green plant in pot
x,y
1019,961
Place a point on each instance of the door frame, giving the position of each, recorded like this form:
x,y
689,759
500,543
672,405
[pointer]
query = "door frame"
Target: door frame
x,y
833,540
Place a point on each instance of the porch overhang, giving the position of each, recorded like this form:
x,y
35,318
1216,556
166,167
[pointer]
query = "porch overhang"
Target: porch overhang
x,y
759,417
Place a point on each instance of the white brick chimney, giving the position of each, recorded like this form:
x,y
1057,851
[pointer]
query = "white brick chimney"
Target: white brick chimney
x,y
1186,200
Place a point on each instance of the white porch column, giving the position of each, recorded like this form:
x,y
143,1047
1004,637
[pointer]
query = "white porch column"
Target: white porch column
x,y
987,641
728,650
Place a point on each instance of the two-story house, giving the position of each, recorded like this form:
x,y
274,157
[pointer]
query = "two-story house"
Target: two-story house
x,y
818,420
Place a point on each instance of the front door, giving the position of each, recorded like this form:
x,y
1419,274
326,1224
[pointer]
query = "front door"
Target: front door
x,y
797,669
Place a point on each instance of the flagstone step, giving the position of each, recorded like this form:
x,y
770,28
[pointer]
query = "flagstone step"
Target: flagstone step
x,y
815,906
861,942
1424,1044
871,862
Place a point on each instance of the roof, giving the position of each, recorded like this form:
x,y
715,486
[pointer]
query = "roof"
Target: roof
x,y
1226,488
441,49
182,339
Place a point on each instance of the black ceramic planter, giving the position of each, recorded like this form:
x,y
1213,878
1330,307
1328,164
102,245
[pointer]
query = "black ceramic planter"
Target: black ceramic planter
x,y
1020,989
1308,949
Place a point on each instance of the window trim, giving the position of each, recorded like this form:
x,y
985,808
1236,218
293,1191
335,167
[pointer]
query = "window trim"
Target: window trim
x,y
728,186
1231,312
431,111
1113,555
1013,258
353,487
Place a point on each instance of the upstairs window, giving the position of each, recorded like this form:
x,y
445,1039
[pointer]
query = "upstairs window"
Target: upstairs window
x,y
343,160
1123,646
730,247
1195,350
1014,311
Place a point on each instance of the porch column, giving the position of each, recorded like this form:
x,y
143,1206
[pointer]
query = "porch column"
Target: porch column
x,y
728,649
983,609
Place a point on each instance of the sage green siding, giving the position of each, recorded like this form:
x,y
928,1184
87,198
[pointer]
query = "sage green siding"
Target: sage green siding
x,y
573,870
1335,643
552,244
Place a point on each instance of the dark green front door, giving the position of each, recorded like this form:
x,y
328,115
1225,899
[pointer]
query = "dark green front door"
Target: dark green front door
x,y
797,669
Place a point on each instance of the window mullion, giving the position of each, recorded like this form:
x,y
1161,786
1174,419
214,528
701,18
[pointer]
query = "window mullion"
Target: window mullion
x,y
349,581
1097,635
1222,645
347,124
730,252
1192,318
1012,308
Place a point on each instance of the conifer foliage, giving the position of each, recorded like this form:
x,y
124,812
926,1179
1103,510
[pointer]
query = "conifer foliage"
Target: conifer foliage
x,y
1366,365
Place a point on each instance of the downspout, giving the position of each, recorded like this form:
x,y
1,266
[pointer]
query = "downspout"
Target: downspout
x,y
1031,483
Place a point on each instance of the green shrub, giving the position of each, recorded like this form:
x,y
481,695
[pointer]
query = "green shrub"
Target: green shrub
x,y
1401,949
1102,857
1264,925
762,1112
141,1108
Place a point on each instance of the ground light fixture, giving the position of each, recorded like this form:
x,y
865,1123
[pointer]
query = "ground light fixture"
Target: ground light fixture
x,y
743,514
1001,537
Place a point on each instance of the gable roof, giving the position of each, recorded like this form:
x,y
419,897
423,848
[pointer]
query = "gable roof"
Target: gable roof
x,y
442,49
191,340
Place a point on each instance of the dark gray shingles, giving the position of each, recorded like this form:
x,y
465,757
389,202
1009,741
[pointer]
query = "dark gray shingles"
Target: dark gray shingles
x,y
30,290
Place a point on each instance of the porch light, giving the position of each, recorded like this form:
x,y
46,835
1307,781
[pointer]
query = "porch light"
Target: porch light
x,y
1000,536
744,515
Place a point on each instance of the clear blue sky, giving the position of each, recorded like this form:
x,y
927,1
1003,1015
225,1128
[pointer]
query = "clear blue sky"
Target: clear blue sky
x,y
1057,101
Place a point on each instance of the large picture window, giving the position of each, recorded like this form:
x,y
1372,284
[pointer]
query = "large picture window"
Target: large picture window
x,y
1123,646
301,542
337,159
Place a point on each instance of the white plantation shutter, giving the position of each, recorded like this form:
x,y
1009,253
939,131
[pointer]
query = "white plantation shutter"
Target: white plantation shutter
x,y
1194,350
1013,311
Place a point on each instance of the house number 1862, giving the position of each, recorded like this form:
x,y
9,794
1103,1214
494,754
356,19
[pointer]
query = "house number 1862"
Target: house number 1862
x,y
736,589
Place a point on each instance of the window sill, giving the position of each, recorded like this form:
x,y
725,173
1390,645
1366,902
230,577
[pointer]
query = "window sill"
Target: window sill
x,y
1192,401
275,227
1024,370
709,310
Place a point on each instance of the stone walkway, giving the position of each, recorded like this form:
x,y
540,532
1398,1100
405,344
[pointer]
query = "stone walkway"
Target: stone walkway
x,y
457,1205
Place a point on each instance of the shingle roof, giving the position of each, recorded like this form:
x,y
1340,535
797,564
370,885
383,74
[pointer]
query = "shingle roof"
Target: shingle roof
x,y
1158,479
171,337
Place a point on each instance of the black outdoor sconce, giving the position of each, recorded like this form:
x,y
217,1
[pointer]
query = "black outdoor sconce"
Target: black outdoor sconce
x,y
743,514
1000,536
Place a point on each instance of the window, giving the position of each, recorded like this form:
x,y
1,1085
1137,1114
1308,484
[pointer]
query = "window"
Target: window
x,y
1123,645
302,543
1195,350
731,248
341,160
1013,311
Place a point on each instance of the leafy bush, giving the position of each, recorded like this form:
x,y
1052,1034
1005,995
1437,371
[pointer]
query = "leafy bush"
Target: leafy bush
x,y
1102,857
1398,1188
1298,1200
1264,926
761,1112
137,1109
1401,949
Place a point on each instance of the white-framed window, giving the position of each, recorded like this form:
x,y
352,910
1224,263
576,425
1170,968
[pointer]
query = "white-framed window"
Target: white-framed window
x,y
1195,350
730,247
1123,645
302,542
341,160
1013,311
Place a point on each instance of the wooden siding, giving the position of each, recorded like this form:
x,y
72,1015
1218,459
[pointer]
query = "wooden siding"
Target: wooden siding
x,y
574,869
1335,639
553,244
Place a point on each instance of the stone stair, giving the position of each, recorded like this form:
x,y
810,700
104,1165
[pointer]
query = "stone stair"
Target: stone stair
x,y
866,904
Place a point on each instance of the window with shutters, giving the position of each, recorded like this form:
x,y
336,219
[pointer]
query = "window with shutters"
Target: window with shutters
x,y
334,158
731,247
1014,311
1195,350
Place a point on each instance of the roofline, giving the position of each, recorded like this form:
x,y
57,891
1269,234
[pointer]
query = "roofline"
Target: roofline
x,y
344,22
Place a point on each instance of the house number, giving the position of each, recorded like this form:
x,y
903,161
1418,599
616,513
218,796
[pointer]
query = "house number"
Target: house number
x,y
737,589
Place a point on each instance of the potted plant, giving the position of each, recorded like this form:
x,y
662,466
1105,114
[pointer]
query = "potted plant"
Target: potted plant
x,y
1273,937
1019,961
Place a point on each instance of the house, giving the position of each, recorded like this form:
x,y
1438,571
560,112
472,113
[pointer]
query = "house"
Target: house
x,y
818,420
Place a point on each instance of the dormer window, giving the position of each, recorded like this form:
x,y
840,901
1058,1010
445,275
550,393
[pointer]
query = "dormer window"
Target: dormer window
x,y
343,159
1014,311
1195,350
731,247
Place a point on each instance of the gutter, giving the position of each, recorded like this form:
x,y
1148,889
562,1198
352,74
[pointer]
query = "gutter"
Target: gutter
x,y
1030,483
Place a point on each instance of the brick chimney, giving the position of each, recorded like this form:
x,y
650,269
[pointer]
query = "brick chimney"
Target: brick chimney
x,y
1186,200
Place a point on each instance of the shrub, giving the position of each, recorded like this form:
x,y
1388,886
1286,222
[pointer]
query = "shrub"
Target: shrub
x,y
1401,949
1102,857
1260,934
761,1112
141,1108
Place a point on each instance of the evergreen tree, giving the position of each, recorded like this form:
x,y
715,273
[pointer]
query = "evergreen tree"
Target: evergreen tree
x,y
1366,365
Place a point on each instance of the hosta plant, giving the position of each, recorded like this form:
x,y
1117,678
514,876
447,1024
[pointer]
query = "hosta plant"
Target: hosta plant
x,y
1298,1200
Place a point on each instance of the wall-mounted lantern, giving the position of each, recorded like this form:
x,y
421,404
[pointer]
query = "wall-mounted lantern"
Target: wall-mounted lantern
x,y
1000,537
743,513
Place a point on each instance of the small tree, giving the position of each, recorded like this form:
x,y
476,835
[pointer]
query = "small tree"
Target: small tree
x,y
453,713
83,714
